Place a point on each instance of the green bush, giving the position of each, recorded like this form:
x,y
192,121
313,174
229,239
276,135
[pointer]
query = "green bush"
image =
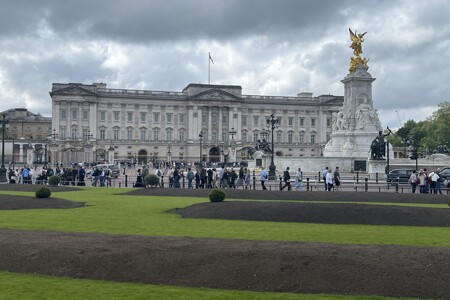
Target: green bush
x,y
43,192
151,180
54,180
216,195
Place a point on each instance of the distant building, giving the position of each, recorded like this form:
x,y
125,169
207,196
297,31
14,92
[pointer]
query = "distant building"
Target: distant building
x,y
28,132
157,126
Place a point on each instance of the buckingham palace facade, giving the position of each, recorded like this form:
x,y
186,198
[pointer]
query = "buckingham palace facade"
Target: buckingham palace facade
x,y
94,123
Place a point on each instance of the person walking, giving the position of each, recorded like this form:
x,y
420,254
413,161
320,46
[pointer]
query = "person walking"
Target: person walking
x,y
298,180
287,180
324,177
263,178
337,178
329,180
413,181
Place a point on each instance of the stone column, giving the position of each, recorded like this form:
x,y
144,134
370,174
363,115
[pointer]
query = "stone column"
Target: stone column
x,y
21,153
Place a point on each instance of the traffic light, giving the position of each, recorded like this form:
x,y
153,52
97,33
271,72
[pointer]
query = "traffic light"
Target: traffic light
x,y
413,154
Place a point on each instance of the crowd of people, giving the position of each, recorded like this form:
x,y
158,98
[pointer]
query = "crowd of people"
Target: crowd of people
x,y
73,175
203,178
428,183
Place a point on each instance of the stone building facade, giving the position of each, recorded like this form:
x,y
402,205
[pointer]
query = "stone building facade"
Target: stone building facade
x,y
208,122
27,136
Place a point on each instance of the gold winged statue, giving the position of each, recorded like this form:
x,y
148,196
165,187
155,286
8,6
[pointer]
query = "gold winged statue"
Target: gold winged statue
x,y
357,40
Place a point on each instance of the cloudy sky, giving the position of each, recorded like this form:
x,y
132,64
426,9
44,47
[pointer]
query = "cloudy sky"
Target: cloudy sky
x,y
269,47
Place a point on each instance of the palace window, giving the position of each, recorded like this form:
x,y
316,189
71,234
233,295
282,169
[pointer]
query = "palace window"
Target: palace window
x,y
181,136
244,120
155,135
143,116
129,116
102,134
116,116
103,116
74,133
291,121
116,135
129,134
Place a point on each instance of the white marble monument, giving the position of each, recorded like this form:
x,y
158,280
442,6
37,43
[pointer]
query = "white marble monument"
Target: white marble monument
x,y
356,124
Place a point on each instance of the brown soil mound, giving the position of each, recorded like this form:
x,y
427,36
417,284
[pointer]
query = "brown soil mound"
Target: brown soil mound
x,y
328,213
24,202
340,196
420,272
34,187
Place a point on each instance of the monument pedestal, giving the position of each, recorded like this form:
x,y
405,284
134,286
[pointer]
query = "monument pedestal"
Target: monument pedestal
x,y
356,124
377,166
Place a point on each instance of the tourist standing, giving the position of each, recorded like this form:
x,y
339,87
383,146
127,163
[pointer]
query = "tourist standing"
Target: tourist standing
x,y
159,174
190,176
413,181
247,179
298,180
422,182
263,178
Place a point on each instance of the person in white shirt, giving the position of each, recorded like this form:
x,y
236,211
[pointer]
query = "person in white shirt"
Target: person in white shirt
x,y
413,181
329,180
298,180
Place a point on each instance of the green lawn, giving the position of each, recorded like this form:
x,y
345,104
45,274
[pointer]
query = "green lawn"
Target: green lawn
x,y
109,211
19,286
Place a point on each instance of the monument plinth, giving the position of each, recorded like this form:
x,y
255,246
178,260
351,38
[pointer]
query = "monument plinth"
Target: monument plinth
x,y
357,122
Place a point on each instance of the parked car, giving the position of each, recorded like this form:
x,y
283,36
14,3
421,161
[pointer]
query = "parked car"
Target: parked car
x,y
445,173
115,170
399,175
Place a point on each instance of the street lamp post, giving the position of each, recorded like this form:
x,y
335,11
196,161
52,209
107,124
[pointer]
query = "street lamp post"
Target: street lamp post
x,y
272,123
169,156
232,145
201,148
53,146
2,168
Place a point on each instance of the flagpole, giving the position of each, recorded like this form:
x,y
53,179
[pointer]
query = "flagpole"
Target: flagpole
x,y
209,67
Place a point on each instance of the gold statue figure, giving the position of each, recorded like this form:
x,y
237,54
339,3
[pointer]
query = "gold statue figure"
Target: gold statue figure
x,y
357,40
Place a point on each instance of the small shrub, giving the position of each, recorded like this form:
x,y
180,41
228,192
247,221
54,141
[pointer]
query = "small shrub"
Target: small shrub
x,y
216,195
54,180
43,192
151,180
